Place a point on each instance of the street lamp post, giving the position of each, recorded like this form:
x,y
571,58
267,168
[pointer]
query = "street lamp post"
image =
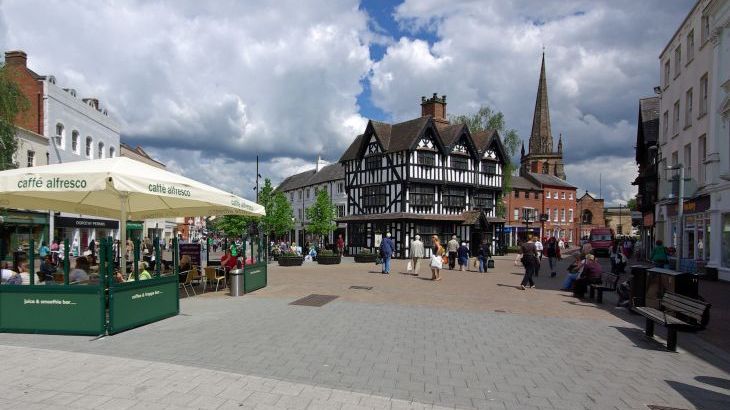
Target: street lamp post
x,y
527,218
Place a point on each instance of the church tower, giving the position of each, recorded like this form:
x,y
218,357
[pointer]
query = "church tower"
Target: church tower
x,y
541,158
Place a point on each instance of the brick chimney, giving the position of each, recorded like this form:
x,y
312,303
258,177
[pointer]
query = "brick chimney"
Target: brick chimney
x,y
435,107
16,58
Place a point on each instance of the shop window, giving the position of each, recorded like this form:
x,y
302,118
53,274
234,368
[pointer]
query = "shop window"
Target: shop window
x,y
358,234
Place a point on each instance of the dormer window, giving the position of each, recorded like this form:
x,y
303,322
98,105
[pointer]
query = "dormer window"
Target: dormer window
x,y
427,158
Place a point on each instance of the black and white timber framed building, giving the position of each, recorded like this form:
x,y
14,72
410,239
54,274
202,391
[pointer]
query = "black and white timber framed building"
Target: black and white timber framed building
x,y
423,177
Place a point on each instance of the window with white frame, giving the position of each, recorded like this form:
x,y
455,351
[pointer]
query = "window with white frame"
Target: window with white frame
x,y
701,157
555,214
705,34
570,215
570,196
555,195
75,141
690,46
100,151
548,213
677,61
547,195
31,158
60,134
517,214
703,95
562,195
88,147
562,214
675,124
688,109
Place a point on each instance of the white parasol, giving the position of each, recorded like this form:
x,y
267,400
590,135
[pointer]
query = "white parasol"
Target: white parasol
x,y
117,188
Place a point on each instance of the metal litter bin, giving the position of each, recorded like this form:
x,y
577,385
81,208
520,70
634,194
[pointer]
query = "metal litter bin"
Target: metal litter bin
x,y
236,283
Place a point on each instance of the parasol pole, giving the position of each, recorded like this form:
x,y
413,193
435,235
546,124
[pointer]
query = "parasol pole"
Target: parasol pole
x,y
123,235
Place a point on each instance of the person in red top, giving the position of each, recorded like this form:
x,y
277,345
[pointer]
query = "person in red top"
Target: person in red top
x,y
340,245
228,261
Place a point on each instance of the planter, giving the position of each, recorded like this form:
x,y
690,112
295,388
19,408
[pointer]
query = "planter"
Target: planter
x,y
329,259
291,261
365,258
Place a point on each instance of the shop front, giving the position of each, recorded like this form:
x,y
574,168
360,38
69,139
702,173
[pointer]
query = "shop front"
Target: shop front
x,y
696,231
17,228
79,231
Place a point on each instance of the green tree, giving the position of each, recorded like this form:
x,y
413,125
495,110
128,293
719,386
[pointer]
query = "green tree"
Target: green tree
x,y
12,103
234,226
321,214
631,204
487,119
280,215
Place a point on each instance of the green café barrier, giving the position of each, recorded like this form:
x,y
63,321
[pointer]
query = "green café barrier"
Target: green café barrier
x,y
54,309
255,275
140,302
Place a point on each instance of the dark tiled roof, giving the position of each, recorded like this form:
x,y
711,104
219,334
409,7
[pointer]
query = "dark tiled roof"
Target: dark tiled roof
x,y
523,183
449,133
328,173
545,179
483,138
404,134
382,130
649,111
352,150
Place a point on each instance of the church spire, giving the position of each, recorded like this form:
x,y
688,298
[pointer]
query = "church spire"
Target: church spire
x,y
560,143
541,139
522,152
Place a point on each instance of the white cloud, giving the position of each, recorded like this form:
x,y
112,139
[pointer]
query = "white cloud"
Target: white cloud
x,y
224,81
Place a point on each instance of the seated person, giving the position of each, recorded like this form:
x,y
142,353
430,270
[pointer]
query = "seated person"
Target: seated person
x,y
80,273
142,272
574,270
592,272
228,261
6,273
22,277
185,266
45,274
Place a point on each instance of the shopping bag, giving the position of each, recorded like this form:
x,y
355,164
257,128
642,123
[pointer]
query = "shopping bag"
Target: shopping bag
x,y
490,263
409,266
436,262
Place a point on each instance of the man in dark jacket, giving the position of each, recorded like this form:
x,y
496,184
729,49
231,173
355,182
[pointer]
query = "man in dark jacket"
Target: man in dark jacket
x,y
386,249
529,261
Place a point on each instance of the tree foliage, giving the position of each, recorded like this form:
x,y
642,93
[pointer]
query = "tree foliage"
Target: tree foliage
x,y
234,226
278,219
487,119
12,103
631,204
321,214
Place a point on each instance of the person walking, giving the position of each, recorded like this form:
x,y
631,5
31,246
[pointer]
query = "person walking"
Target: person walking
x,y
538,249
529,261
92,248
483,255
387,248
452,247
553,253
417,253
463,254
340,245
437,253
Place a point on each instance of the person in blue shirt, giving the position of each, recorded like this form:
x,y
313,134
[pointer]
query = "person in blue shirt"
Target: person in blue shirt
x,y
44,250
387,248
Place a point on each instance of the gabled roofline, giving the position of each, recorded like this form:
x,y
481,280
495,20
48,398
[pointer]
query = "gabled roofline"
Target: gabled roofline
x,y
430,123
500,147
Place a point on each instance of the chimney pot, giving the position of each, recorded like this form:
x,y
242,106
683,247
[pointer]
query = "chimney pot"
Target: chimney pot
x,y
435,107
435,95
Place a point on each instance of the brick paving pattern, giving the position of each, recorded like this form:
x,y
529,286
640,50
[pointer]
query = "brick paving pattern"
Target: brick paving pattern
x,y
470,341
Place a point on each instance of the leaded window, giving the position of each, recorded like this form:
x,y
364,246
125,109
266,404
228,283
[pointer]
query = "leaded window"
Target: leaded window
x,y
373,162
460,163
373,196
427,158
455,197
422,195
483,200
489,168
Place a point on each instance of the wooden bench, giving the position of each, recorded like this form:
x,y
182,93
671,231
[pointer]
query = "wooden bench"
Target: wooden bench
x,y
608,283
674,308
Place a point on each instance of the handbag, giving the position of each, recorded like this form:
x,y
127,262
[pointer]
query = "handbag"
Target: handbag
x,y
445,260
490,263
436,262
409,266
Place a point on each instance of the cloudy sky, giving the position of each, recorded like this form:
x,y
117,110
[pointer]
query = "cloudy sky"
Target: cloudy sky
x,y
207,86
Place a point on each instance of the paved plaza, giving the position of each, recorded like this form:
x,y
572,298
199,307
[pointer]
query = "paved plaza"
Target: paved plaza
x,y
470,341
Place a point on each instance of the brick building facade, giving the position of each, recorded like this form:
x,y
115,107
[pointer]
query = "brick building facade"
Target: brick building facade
x,y
31,85
590,210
